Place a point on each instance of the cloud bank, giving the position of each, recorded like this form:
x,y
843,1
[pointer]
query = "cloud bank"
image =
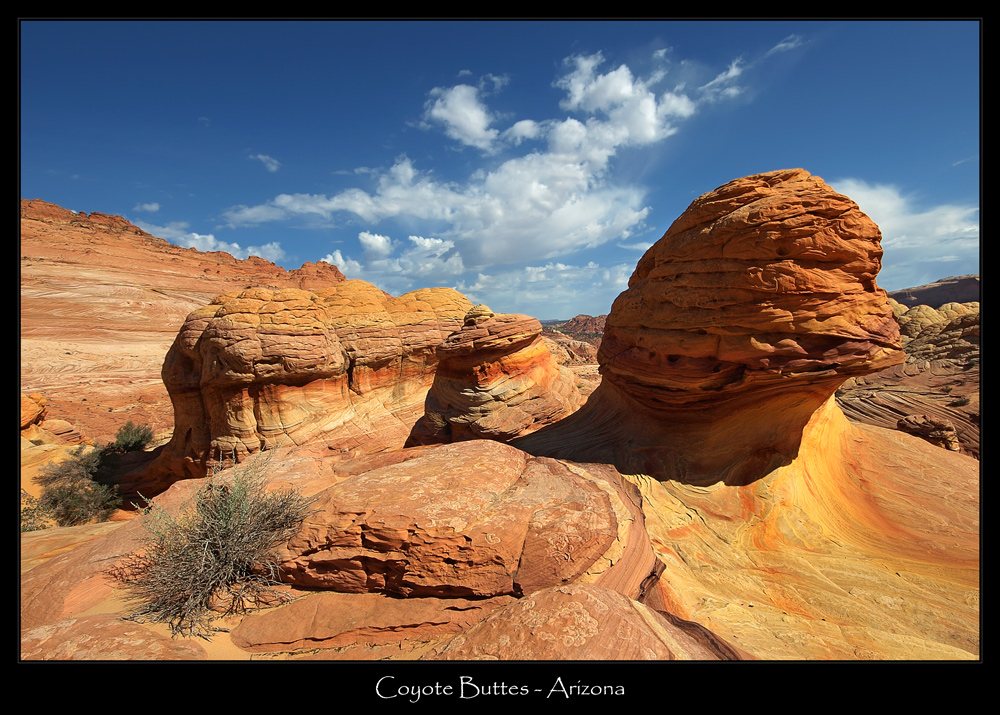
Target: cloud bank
x,y
550,192
921,243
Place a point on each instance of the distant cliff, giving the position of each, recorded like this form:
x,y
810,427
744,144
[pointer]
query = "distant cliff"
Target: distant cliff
x,y
954,289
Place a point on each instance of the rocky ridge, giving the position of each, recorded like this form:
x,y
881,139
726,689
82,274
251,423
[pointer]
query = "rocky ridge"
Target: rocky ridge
x,y
101,303
954,289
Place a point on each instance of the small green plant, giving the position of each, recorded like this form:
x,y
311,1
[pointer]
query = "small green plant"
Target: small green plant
x,y
73,491
33,515
132,437
217,556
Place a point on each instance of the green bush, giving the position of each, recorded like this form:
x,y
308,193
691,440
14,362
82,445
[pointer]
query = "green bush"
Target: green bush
x,y
72,490
132,437
33,515
218,556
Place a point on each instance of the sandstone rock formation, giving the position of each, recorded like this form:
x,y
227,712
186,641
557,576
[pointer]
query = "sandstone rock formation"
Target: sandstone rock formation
x,y
567,351
103,636
475,519
950,332
101,302
32,409
938,382
758,302
754,519
495,379
585,327
938,432
402,528
43,441
940,390
865,547
954,289
330,625
583,622
349,365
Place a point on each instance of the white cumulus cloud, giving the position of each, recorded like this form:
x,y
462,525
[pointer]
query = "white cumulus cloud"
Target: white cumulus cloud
x,y
269,162
423,259
921,242
464,117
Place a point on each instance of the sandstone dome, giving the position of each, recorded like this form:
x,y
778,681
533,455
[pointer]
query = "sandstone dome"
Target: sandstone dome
x,y
744,318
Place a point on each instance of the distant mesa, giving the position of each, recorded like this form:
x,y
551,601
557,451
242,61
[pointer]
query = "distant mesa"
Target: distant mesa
x,y
757,303
954,289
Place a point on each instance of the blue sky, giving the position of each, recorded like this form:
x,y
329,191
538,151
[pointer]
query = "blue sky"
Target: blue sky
x,y
527,164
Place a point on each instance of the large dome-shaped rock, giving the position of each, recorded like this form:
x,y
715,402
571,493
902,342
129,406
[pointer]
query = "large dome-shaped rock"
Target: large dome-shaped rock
x,y
348,365
758,302
496,379
475,519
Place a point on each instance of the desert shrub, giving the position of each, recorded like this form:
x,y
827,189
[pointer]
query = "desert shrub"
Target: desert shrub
x,y
132,437
33,515
73,492
218,556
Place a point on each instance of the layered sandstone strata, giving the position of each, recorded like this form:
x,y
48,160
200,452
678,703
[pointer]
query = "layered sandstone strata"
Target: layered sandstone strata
x,y
496,379
348,365
758,302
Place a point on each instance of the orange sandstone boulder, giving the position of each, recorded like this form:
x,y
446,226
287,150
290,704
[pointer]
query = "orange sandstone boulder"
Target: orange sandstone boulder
x,y
474,519
32,409
348,365
496,379
936,431
758,302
